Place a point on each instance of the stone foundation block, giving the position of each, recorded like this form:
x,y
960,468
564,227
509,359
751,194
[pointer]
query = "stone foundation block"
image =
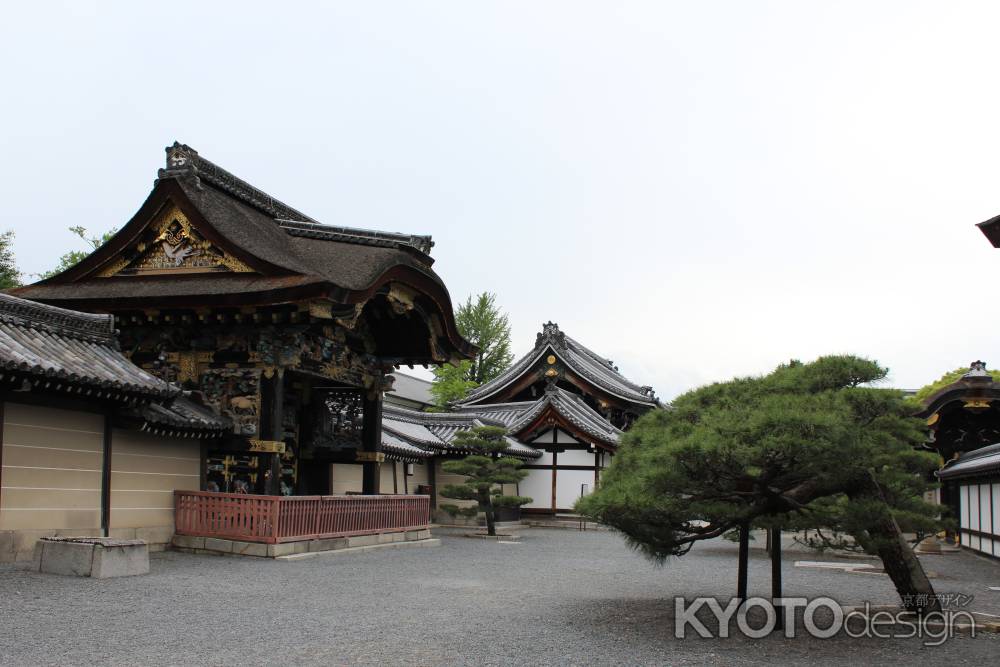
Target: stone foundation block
x,y
362,540
188,542
250,549
216,544
99,557
328,544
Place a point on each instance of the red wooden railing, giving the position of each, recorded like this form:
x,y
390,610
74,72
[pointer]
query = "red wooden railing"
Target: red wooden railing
x,y
274,519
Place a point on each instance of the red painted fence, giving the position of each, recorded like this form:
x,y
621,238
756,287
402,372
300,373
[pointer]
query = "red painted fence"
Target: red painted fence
x,y
273,519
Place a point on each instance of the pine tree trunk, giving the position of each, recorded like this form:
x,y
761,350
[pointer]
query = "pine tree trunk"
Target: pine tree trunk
x,y
486,502
898,559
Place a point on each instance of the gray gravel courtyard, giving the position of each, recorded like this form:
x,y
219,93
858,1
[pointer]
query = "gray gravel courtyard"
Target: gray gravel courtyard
x,y
558,597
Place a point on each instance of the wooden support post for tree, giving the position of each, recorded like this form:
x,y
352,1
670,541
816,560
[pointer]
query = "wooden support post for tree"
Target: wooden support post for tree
x,y
744,561
775,540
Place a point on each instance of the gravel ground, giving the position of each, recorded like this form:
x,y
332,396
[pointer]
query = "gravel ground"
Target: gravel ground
x,y
557,597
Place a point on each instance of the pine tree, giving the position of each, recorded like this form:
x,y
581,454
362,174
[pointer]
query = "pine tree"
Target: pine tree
x,y
485,471
809,445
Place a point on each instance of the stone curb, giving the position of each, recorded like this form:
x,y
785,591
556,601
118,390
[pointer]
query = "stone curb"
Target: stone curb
x,y
431,542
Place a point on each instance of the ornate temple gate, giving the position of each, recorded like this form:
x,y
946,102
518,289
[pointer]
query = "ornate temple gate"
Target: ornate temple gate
x,y
284,326
296,387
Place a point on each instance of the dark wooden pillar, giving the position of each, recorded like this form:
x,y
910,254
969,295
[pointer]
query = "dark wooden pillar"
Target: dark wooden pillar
x,y
272,401
371,442
744,561
106,476
432,481
555,463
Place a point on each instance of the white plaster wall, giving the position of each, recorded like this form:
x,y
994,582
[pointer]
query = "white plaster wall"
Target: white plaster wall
x,y
568,486
538,486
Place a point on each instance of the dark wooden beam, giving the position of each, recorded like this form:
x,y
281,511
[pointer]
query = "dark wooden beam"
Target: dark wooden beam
x,y
106,476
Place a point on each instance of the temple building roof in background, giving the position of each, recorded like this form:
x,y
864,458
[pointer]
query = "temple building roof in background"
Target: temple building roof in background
x,y
589,366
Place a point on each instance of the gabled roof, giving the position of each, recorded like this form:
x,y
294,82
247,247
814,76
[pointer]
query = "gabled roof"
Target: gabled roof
x,y
588,365
573,410
250,249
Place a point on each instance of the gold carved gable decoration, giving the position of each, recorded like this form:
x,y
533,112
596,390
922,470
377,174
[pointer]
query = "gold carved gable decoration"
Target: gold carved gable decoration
x,y
171,245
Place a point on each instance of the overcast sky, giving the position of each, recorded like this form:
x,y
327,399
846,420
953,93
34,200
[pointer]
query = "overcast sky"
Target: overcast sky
x,y
695,189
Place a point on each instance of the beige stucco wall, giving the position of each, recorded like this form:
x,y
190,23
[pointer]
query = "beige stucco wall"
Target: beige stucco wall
x,y
418,477
51,469
345,477
145,471
51,483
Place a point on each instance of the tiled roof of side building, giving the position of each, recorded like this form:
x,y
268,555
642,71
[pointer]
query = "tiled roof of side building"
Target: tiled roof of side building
x,y
579,359
437,430
64,350
411,388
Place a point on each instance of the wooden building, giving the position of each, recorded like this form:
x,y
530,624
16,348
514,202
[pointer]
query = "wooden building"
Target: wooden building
x,y
284,327
564,406
964,426
89,443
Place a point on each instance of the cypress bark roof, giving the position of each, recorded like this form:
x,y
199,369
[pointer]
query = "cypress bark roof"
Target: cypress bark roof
x,y
287,256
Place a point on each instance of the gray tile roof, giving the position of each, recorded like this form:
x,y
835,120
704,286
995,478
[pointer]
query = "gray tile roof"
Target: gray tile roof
x,y
583,361
183,417
979,462
65,350
435,431
411,388
572,408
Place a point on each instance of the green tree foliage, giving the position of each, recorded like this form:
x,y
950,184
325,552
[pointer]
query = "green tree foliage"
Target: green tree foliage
x,y
485,470
809,445
929,390
451,384
74,257
9,275
481,322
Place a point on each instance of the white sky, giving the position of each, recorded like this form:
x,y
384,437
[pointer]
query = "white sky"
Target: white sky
x,y
694,189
